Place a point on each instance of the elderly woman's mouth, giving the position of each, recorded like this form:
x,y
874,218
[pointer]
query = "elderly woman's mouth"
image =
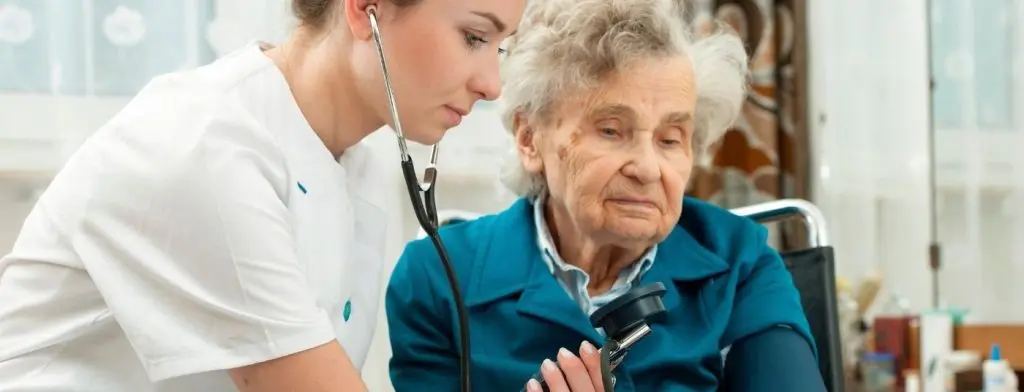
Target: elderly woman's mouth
x,y
639,204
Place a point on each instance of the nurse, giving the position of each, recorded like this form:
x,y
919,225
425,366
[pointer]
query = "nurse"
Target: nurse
x,y
223,232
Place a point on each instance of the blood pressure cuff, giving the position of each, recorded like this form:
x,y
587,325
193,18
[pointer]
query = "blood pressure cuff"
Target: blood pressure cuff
x,y
778,359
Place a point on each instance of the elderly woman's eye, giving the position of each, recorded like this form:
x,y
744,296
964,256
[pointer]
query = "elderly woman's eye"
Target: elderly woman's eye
x,y
671,142
608,131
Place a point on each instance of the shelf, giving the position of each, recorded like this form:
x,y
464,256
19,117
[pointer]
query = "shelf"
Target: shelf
x,y
27,159
38,132
990,161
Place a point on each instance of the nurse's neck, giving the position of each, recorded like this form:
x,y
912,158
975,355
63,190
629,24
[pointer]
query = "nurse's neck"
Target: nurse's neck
x,y
322,83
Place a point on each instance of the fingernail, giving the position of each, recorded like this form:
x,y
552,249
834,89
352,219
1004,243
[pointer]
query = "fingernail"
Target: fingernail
x,y
564,354
587,348
533,385
548,365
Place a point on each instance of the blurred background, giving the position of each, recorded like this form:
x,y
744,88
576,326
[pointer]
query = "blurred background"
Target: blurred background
x,y
902,120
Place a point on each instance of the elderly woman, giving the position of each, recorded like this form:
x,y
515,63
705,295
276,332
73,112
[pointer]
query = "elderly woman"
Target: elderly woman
x,y
610,102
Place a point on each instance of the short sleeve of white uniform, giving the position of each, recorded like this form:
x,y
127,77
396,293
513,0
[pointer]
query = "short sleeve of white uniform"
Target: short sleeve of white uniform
x,y
186,235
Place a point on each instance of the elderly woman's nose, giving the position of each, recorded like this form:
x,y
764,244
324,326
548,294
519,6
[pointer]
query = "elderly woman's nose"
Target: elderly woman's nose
x,y
643,166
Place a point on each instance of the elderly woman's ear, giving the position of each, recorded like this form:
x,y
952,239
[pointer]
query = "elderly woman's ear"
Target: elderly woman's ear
x,y
526,144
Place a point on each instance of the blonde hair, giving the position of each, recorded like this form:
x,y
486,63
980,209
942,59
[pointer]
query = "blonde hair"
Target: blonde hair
x,y
567,46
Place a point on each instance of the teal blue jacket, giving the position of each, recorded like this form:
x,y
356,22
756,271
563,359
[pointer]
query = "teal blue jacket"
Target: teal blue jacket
x,y
724,283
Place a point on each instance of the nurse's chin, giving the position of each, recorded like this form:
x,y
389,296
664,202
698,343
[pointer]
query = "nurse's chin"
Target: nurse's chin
x,y
426,135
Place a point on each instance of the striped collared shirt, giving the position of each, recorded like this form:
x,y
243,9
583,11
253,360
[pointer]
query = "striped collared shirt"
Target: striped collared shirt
x,y
573,279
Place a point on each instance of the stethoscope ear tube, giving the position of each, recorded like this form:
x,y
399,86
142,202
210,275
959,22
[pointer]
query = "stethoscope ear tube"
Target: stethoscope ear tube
x,y
403,146
421,195
430,174
371,11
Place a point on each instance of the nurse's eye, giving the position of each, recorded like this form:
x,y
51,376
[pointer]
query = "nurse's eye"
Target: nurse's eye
x,y
474,41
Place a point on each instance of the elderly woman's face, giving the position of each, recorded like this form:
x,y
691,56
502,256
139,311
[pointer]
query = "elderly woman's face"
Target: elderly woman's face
x,y
617,159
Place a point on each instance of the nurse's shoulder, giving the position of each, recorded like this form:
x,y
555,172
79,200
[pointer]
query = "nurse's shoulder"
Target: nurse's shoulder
x,y
178,117
176,210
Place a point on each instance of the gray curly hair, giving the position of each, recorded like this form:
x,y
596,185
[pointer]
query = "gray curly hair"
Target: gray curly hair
x,y
567,46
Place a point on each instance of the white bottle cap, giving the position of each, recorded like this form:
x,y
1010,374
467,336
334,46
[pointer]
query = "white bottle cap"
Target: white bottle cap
x,y
911,382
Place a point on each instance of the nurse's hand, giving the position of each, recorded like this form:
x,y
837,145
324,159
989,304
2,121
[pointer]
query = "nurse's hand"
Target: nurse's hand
x,y
575,374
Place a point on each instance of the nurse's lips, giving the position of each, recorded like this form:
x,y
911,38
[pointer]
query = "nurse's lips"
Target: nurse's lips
x,y
455,115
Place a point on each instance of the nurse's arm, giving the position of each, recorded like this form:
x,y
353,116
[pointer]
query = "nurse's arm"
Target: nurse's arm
x,y
321,369
420,322
772,348
191,248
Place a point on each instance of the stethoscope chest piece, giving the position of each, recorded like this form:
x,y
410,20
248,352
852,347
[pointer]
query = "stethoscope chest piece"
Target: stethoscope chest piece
x,y
627,312
624,321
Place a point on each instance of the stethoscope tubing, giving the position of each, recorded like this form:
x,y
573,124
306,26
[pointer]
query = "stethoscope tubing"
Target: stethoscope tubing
x,y
422,197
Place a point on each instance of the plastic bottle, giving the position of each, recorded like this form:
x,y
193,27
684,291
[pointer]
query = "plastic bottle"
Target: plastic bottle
x,y
994,371
911,382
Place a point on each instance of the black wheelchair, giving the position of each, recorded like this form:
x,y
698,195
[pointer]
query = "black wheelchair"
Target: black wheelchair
x,y
813,270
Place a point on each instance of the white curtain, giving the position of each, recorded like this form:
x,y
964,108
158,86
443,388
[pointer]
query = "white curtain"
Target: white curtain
x,y
978,55
869,62
869,124
66,66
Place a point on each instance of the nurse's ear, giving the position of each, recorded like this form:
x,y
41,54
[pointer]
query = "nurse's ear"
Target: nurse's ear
x,y
358,18
527,144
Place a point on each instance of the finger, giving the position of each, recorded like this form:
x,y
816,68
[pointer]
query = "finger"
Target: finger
x,y
575,372
533,386
592,360
553,377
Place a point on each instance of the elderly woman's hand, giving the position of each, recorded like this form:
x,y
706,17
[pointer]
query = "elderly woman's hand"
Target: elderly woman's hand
x,y
575,374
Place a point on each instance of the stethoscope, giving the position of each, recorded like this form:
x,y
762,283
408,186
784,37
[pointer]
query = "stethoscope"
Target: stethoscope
x,y
424,206
624,320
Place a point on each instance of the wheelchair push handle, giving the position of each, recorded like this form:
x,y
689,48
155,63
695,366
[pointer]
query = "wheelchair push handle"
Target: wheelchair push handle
x,y
776,210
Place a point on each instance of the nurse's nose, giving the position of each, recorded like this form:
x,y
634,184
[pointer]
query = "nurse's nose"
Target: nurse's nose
x,y
486,83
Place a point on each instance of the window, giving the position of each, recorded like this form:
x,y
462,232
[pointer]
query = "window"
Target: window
x,y
99,47
972,63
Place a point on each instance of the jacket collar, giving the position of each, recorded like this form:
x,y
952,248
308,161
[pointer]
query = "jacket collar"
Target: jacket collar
x,y
682,258
510,264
